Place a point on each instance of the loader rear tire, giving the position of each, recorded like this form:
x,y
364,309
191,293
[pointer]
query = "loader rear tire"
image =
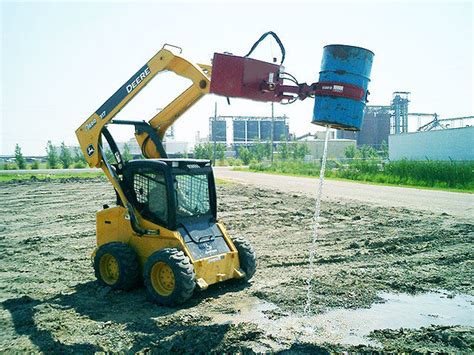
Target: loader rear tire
x,y
116,265
247,257
169,277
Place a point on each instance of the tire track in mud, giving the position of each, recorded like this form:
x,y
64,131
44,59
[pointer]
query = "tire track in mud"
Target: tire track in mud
x,y
50,302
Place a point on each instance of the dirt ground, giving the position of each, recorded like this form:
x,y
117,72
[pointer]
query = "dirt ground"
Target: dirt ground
x,y
50,301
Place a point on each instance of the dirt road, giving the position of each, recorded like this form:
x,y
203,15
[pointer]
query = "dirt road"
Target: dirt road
x,y
50,302
452,203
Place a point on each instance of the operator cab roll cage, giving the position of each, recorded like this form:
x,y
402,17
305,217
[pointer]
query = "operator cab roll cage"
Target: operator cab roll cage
x,y
140,128
117,169
124,173
151,187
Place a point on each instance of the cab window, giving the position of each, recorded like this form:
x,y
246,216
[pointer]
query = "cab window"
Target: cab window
x,y
192,195
151,195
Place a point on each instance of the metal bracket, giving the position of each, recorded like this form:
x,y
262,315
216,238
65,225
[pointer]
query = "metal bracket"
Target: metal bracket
x,y
344,90
173,46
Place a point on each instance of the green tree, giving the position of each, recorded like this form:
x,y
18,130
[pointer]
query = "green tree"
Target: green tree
x,y
126,155
65,156
206,151
198,151
109,156
79,159
220,151
51,156
245,155
35,165
350,152
7,166
300,151
79,156
384,150
203,151
260,151
19,158
268,150
367,152
283,151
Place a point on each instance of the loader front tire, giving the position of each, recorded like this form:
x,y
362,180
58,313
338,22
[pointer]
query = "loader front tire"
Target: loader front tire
x,y
116,265
247,257
169,277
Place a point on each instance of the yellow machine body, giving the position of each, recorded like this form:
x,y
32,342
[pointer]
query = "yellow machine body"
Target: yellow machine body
x,y
134,245
113,225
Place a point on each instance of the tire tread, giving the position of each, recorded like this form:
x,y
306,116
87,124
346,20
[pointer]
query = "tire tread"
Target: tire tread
x,y
183,270
247,257
129,268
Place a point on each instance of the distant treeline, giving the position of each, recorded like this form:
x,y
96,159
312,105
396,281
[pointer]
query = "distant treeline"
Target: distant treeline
x,y
62,157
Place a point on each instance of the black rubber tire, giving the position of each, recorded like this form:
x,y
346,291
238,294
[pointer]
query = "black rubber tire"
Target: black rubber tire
x,y
184,276
247,257
129,268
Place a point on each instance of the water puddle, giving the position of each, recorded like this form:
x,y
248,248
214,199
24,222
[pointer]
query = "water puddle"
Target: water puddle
x,y
351,326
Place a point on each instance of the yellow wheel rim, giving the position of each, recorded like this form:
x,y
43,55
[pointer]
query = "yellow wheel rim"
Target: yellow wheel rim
x,y
109,269
162,279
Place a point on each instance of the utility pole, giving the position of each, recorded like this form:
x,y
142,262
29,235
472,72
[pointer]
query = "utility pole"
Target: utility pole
x,y
213,132
271,155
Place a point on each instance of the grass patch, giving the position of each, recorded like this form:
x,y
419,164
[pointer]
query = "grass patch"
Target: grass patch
x,y
440,175
220,181
79,175
32,176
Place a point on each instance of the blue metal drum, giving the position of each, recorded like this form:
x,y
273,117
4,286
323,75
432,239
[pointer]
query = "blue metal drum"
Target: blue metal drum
x,y
345,65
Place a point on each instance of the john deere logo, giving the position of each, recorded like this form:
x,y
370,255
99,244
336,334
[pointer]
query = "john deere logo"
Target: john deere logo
x,y
90,150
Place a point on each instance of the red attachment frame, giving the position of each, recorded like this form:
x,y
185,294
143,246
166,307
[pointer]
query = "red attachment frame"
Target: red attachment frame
x,y
241,77
302,91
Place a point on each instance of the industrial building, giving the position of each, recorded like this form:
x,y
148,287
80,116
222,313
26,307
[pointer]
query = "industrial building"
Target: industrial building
x,y
441,139
247,129
336,147
375,127
440,144
381,121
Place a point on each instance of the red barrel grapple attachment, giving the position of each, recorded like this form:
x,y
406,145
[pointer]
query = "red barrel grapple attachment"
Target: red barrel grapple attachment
x,y
248,78
245,78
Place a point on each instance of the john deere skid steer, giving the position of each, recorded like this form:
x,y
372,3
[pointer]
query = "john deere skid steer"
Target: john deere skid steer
x,y
164,229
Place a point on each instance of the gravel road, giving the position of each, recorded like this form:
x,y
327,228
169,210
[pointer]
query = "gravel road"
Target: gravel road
x,y
453,203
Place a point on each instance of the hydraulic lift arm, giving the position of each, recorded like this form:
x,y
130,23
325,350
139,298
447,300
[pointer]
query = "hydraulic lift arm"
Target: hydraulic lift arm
x,y
149,135
89,133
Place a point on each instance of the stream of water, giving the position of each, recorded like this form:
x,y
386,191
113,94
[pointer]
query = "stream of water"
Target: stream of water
x,y
312,253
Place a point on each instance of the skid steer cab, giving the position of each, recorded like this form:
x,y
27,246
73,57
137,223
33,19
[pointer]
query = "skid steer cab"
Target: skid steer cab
x,y
179,245
184,245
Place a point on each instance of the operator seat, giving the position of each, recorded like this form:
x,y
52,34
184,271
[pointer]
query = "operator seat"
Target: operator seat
x,y
146,189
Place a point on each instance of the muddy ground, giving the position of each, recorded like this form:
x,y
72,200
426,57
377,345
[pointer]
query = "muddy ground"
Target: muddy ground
x,y
51,303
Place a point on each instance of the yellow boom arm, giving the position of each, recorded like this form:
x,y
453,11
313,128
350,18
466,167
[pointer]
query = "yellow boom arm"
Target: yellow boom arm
x,y
90,132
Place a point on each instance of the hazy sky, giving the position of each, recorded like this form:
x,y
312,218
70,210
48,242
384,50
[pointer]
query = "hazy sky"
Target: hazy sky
x,y
61,60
